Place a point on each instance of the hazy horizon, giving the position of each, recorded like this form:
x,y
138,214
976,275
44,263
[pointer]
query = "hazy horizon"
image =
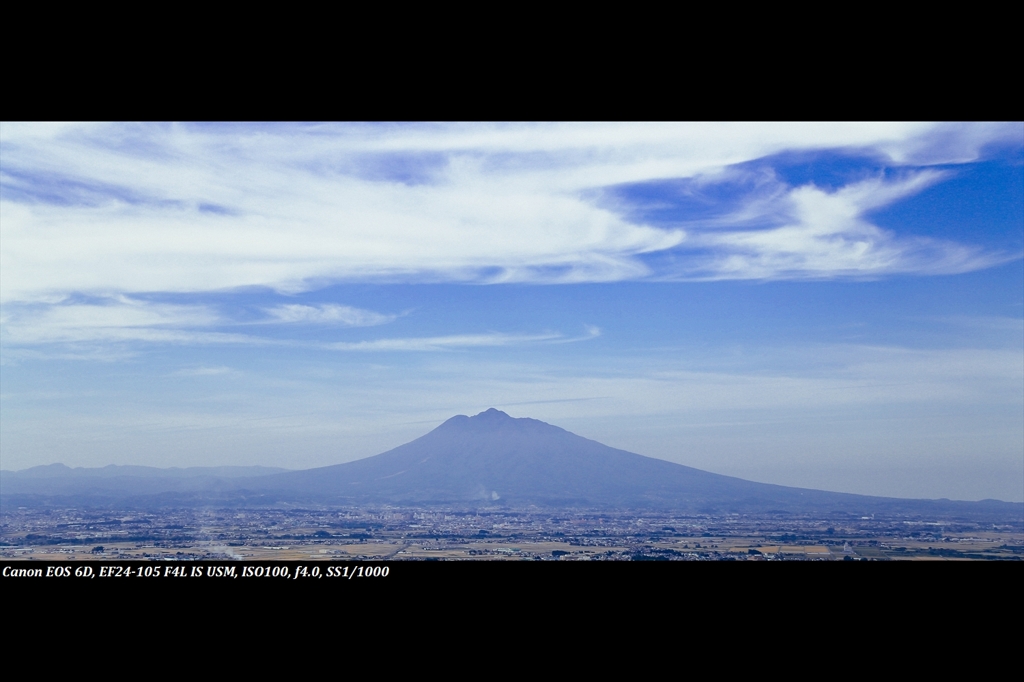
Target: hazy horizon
x,y
828,306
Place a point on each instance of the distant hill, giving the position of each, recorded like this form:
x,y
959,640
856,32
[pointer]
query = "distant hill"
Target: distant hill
x,y
490,459
115,481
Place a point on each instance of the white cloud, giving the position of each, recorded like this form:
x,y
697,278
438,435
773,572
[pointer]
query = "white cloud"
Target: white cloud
x,y
436,343
123,319
825,234
132,208
203,371
328,314
117,318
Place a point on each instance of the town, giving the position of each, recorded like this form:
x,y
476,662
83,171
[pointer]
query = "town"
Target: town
x,y
499,534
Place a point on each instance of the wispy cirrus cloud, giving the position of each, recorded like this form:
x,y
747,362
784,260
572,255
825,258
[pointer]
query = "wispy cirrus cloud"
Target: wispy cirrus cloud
x,y
203,371
328,313
116,318
121,319
827,234
457,341
192,208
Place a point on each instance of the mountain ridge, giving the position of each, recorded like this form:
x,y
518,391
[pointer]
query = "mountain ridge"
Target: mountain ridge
x,y
493,459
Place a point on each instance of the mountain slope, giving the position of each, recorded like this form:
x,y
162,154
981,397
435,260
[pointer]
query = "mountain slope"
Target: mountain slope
x,y
493,458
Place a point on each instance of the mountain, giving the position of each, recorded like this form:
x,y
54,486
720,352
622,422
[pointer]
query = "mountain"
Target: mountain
x,y
116,481
492,459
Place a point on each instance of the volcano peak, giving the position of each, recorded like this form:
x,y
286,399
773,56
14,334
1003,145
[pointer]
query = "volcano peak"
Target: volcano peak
x,y
492,414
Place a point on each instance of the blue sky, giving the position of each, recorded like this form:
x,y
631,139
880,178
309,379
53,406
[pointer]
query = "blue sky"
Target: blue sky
x,y
838,306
